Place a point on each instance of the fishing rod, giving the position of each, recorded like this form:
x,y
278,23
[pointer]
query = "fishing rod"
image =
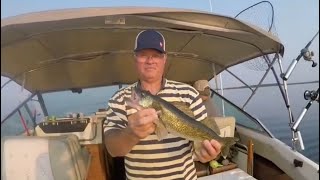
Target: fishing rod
x,y
306,54
267,85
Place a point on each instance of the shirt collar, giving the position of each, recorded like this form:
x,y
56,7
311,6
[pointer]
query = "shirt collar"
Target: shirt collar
x,y
163,84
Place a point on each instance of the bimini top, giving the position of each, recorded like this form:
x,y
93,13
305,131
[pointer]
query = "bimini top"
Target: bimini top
x,y
89,47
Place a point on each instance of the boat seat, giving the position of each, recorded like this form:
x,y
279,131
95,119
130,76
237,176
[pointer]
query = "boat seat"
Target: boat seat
x,y
226,125
45,158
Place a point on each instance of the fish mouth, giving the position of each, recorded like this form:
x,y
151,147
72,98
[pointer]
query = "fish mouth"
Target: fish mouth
x,y
133,101
133,104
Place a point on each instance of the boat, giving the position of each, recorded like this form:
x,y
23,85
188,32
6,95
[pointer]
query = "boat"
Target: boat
x,y
73,51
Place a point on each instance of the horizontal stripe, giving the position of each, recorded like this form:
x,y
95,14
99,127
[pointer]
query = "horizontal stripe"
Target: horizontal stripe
x,y
175,82
120,111
180,89
166,175
108,128
113,117
195,103
123,92
156,151
144,175
115,125
171,140
193,177
188,98
170,82
177,91
182,85
200,114
130,111
154,168
150,157
198,107
178,172
118,95
120,114
120,123
172,158
114,103
190,171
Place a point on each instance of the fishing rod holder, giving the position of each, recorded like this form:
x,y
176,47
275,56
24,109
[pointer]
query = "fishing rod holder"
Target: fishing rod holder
x,y
308,95
311,96
297,140
306,54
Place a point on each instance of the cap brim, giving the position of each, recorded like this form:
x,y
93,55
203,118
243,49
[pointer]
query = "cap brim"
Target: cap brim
x,y
142,48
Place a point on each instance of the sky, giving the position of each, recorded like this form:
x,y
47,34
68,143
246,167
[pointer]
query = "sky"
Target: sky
x,y
296,23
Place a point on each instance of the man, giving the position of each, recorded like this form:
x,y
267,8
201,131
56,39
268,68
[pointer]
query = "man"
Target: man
x,y
202,86
130,133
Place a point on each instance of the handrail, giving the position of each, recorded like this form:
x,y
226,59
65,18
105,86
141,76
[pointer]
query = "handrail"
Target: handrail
x,y
17,108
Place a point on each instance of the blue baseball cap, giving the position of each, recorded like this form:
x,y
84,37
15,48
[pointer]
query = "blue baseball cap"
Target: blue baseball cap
x,y
150,39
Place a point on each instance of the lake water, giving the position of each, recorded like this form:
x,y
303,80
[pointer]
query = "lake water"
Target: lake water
x,y
269,107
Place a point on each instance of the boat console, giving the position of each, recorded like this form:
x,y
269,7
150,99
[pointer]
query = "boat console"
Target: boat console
x,y
88,129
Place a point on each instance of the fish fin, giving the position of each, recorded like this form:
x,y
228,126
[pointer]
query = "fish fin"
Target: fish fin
x,y
197,145
228,142
211,123
161,130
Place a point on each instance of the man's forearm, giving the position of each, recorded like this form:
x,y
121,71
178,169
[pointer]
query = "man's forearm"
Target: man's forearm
x,y
119,142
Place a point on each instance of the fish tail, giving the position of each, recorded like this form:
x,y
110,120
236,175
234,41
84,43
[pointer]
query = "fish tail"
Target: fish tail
x,y
228,142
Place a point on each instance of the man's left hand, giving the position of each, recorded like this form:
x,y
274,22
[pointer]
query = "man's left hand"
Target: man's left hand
x,y
209,151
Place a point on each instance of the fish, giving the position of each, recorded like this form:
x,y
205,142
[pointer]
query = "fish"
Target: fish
x,y
208,121
180,122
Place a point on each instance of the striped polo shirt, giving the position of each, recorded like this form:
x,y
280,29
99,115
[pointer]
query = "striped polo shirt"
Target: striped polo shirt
x,y
170,158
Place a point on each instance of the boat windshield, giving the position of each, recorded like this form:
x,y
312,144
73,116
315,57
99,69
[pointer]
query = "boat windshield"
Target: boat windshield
x,y
88,101
227,108
58,104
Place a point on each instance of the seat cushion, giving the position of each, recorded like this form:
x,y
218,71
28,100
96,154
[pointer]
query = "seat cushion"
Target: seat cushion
x,y
45,158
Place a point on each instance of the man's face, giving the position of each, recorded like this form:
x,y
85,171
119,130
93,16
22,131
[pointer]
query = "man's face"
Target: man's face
x,y
150,64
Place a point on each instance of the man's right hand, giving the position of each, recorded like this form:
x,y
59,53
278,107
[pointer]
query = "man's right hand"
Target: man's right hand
x,y
141,124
